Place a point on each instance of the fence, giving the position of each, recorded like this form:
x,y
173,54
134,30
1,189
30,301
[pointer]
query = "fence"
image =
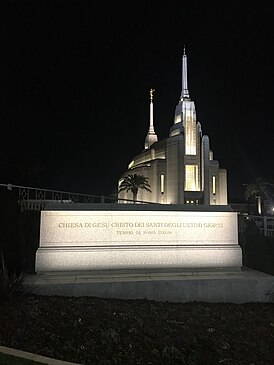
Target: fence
x,y
31,198
264,223
36,199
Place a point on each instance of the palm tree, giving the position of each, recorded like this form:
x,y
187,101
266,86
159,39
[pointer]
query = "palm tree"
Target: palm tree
x,y
257,190
134,182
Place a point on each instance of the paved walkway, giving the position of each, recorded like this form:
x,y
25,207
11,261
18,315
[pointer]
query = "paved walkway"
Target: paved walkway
x,y
33,357
216,285
137,275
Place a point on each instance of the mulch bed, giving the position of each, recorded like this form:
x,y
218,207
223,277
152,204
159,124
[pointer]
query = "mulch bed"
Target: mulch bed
x,y
89,330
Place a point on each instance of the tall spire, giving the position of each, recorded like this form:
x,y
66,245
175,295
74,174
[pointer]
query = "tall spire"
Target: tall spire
x,y
185,110
185,93
151,136
151,124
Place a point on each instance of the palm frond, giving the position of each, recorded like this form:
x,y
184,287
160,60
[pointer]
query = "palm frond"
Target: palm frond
x,y
134,182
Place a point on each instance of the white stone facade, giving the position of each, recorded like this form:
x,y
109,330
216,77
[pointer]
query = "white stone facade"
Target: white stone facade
x,y
180,168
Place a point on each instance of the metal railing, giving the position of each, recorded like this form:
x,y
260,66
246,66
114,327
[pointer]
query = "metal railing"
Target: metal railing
x,y
31,198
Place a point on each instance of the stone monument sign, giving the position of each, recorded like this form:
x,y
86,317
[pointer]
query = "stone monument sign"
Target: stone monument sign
x,y
110,236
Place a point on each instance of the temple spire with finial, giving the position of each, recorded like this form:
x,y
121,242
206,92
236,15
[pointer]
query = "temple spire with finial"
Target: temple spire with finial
x,y
151,136
151,124
185,92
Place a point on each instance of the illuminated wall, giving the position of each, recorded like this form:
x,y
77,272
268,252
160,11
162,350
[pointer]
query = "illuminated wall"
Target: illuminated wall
x,y
191,178
190,136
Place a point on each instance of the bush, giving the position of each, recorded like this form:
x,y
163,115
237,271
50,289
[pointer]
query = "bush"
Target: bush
x,y
258,252
19,233
11,283
12,242
30,221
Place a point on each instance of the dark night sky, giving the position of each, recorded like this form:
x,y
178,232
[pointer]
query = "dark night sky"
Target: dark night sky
x,y
76,75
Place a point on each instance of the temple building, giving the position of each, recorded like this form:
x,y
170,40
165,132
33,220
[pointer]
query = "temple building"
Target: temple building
x,y
181,168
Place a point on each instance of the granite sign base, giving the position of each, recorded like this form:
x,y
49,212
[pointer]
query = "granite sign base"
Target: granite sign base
x,y
155,257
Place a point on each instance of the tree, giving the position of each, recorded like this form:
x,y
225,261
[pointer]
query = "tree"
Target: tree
x,y
258,190
134,182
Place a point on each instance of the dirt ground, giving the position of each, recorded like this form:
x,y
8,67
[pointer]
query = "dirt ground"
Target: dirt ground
x,y
89,330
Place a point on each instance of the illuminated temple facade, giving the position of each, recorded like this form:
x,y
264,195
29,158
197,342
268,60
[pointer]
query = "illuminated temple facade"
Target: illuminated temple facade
x,y
181,168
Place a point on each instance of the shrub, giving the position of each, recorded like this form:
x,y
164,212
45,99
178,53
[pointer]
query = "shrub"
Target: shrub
x,y
258,252
11,283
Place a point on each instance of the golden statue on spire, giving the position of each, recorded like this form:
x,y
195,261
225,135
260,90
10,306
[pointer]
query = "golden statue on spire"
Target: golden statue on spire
x,y
151,94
